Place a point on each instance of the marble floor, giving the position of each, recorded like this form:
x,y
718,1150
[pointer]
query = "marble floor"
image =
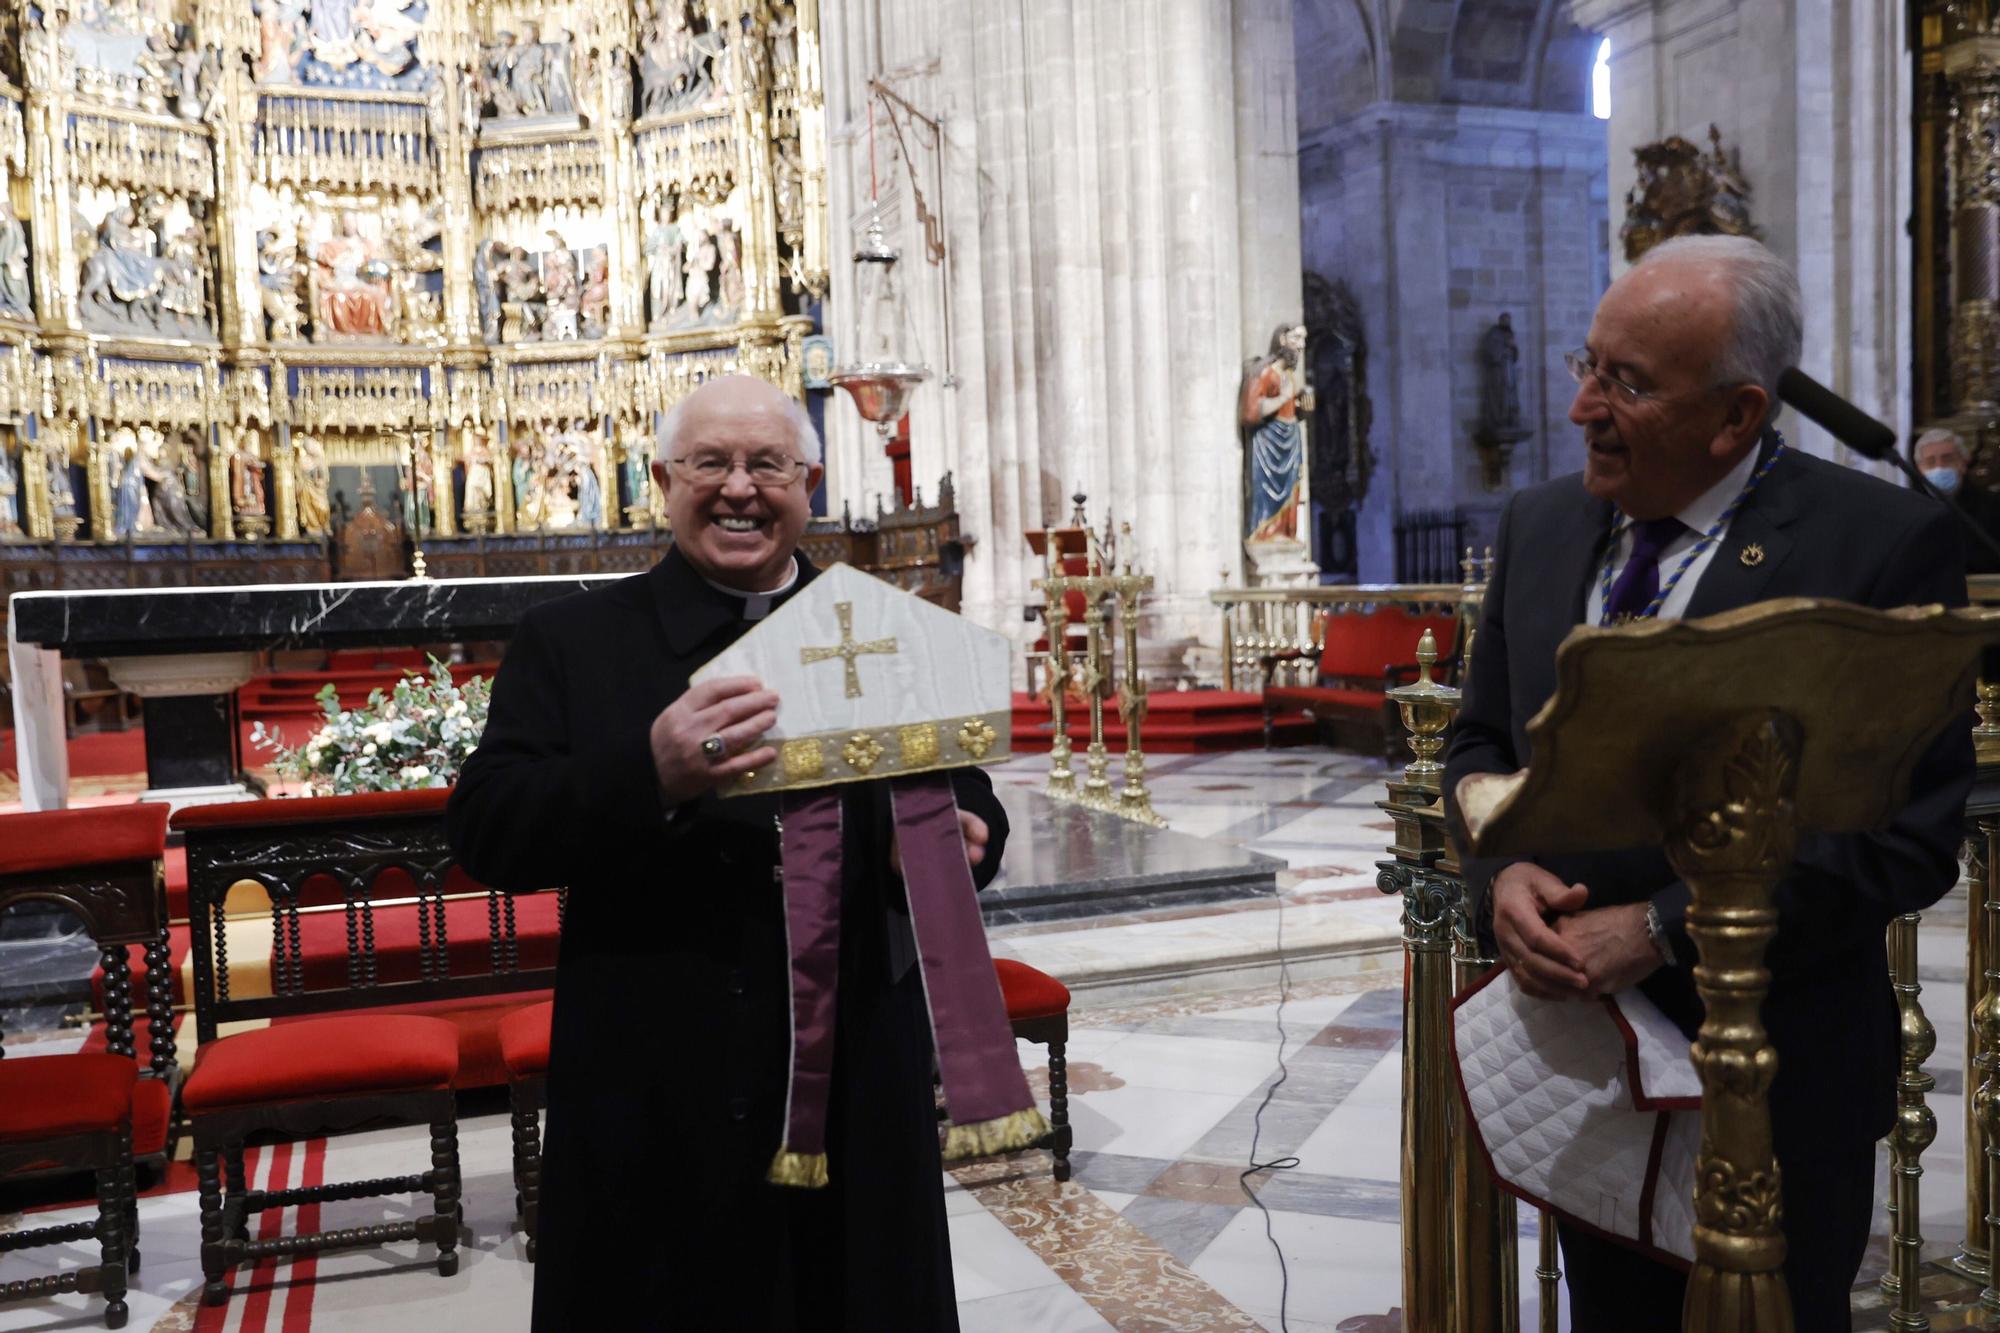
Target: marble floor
x,y
1167,1074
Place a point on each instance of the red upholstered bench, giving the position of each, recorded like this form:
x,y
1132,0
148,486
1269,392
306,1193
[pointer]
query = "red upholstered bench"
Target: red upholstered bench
x,y
1038,1009
524,1049
1361,657
81,1112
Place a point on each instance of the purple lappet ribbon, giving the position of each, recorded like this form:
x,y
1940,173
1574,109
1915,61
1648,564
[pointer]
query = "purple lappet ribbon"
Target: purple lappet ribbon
x,y
986,1095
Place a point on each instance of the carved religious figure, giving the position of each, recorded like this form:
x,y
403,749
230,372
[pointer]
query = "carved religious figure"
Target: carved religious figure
x,y
132,510
16,296
702,269
190,452
352,295
1682,191
1499,392
729,274
579,463
280,283
315,514
663,270
527,486
386,35
416,313
419,485
478,477
281,29
595,302
166,483
1269,400
62,491
523,301
246,478
10,493
563,291
120,279
131,52
485,287
184,281
675,62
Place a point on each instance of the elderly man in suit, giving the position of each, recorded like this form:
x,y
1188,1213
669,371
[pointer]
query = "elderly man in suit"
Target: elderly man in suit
x,y
1689,503
672,1041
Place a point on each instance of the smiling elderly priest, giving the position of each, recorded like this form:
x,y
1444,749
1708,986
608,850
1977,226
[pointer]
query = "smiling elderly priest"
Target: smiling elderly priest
x,y
674,1100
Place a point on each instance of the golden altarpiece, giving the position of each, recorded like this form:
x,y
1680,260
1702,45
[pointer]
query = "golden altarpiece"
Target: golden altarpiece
x,y
469,250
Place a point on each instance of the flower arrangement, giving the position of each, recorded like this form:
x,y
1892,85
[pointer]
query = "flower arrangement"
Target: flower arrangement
x,y
417,736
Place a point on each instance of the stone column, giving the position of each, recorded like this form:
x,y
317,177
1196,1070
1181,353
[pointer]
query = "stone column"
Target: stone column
x,y
1972,69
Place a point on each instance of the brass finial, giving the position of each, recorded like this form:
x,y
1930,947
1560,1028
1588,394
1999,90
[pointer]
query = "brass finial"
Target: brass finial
x,y
1986,736
1427,655
1469,566
417,570
1428,709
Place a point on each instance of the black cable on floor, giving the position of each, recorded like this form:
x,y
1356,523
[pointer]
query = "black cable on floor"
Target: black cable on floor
x,y
1257,1126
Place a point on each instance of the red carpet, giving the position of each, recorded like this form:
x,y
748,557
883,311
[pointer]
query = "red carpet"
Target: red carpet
x,y
1178,722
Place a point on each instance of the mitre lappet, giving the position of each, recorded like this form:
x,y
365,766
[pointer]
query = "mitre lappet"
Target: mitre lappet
x,y
877,684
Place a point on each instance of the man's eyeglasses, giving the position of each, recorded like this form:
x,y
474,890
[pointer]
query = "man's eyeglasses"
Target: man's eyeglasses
x,y
771,470
1583,367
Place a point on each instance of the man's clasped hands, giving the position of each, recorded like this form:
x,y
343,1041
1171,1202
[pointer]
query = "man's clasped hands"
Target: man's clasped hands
x,y
1559,947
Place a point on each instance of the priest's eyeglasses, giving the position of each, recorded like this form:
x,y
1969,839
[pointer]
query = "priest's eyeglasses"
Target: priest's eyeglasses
x,y
1583,368
768,470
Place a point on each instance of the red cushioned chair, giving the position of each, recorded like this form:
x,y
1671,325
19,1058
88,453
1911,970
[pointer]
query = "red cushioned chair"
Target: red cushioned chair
x,y
524,1047
346,1069
1357,658
1038,1009
62,1113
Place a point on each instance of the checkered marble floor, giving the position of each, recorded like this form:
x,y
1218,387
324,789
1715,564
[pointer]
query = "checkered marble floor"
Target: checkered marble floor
x,y
1156,1230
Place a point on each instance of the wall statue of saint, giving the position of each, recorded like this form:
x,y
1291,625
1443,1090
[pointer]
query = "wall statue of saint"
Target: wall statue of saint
x,y
352,296
1269,400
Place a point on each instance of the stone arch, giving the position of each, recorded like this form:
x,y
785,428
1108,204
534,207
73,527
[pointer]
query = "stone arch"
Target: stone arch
x,y
1337,59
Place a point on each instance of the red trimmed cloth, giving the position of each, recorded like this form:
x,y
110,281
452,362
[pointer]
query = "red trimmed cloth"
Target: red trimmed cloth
x,y
326,1057
48,1096
1030,992
524,1040
94,836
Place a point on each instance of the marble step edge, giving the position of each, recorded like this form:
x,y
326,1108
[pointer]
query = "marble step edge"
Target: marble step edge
x,y
1336,950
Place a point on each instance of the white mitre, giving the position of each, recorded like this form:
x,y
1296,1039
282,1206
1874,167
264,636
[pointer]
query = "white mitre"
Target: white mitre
x,y
872,682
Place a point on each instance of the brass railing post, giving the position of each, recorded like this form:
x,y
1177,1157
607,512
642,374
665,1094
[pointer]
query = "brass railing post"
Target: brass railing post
x,y
1548,1272
1915,1128
1485,1241
1974,1258
1429,1096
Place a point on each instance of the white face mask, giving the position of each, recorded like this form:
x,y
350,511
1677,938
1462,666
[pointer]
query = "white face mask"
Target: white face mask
x,y
1944,478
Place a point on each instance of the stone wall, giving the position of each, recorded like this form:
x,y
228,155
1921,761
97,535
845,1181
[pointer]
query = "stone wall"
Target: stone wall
x,y
1440,218
1815,96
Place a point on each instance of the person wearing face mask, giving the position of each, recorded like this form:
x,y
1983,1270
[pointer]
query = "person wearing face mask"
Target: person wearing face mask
x,y
1941,457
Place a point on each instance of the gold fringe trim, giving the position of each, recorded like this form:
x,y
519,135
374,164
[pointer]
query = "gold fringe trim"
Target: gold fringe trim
x,y
1021,1129
801,1170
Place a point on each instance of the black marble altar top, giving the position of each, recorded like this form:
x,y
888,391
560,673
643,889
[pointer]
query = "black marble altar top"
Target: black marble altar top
x,y
1065,861
158,622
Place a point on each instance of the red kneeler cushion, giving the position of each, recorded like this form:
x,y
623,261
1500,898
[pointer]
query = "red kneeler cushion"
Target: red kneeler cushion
x,y
524,1040
47,1096
477,1020
1030,992
326,1057
92,836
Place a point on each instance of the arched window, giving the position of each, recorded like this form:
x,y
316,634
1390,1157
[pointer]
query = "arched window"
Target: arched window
x,y
1600,82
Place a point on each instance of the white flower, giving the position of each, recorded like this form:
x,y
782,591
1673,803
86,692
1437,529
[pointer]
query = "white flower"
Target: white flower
x,y
414,773
368,749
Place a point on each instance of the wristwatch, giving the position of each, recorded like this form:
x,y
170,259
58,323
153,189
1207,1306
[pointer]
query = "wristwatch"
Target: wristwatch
x,y
1656,933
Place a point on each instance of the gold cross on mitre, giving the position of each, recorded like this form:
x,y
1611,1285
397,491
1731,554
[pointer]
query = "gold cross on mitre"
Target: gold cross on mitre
x,y
847,649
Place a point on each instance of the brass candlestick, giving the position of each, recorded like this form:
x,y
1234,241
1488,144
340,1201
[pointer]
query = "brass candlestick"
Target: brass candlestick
x,y
1055,619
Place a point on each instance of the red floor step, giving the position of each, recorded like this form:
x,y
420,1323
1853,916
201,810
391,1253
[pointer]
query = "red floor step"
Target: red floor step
x,y
1179,722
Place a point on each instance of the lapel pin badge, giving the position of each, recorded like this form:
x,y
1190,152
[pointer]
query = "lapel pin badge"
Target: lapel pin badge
x,y
1752,555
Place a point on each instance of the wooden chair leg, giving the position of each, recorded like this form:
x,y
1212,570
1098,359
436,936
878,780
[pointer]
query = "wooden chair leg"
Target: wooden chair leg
x,y
111,1211
129,1175
527,1165
444,1193
1059,1128
236,1188
208,1175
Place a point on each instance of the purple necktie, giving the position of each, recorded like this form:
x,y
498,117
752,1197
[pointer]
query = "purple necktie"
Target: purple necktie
x,y
1639,584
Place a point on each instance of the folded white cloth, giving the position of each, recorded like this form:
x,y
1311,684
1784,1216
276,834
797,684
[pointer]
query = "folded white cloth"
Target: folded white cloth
x,y
1589,1108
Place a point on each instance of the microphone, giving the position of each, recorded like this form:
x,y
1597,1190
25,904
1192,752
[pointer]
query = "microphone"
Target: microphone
x,y
1868,437
1838,417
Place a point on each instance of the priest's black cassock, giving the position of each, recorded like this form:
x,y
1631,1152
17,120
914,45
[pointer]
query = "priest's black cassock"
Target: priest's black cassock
x,y
672,1037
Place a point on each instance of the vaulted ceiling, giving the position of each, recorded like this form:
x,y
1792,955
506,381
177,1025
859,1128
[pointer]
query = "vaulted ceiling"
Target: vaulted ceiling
x,y
1523,53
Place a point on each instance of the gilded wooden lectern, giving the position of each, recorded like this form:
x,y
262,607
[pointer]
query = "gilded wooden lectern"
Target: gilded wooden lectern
x,y
1721,740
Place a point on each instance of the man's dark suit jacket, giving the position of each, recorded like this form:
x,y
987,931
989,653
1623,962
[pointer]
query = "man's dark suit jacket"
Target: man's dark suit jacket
x,y
672,1035
1826,531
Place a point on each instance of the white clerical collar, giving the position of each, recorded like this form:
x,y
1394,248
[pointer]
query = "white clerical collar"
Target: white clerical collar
x,y
757,605
1702,511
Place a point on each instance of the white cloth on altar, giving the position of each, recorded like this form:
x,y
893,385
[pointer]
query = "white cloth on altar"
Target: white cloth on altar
x,y
41,753
942,667
1588,1108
